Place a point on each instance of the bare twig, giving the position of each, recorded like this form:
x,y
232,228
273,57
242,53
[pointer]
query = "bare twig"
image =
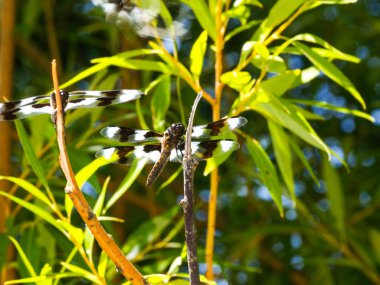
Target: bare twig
x,y
189,166
104,240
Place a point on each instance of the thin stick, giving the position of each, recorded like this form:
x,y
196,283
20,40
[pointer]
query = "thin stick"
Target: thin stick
x,y
104,240
189,166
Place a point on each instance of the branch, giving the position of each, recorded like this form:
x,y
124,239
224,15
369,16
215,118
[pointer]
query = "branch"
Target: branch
x,y
189,166
104,240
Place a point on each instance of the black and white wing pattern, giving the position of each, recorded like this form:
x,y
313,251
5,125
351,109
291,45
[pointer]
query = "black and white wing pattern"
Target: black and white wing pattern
x,y
151,153
160,148
145,17
39,105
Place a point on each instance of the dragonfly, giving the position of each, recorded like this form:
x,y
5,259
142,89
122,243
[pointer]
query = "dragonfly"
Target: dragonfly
x,y
160,148
40,104
144,17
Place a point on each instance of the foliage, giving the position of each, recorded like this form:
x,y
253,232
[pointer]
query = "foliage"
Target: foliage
x,y
288,209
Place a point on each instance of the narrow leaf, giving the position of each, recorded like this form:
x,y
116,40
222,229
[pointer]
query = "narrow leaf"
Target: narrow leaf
x,y
283,156
267,172
34,209
133,173
283,113
336,196
86,172
281,10
30,154
148,232
203,15
160,103
197,55
330,70
23,257
37,193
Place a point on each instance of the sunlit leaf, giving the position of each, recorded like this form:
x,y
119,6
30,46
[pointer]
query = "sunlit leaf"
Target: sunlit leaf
x,y
236,80
241,13
75,232
86,172
274,64
81,272
283,156
267,171
34,209
160,103
327,106
37,193
282,112
282,82
197,55
281,10
331,71
102,265
23,257
203,15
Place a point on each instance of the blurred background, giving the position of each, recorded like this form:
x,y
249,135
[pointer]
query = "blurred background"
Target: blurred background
x,y
253,244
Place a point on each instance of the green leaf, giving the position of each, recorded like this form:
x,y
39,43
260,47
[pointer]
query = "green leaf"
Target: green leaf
x,y
236,80
148,232
241,13
42,279
281,11
160,103
325,105
374,236
330,70
241,28
34,209
98,208
37,193
303,159
267,172
251,46
85,73
133,173
46,270
203,15
81,272
335,195
23,257
248,2
282,82
102,265
170,179
86,172
75,232
140,64
334,52
282,112
283,156
30,154
197,55
274,64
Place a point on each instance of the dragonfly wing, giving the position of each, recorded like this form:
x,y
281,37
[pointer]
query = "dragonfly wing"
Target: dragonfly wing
x,y
124,134
131,154
218,127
